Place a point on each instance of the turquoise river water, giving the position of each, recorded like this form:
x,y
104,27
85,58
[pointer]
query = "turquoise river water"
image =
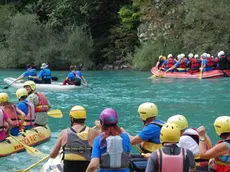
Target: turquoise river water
x,y
201,101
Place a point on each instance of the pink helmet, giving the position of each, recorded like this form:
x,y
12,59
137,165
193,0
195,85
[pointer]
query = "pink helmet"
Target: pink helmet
x,y
109,116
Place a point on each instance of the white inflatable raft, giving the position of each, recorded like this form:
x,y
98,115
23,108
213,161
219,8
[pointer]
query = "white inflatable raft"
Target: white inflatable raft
x,y
55,86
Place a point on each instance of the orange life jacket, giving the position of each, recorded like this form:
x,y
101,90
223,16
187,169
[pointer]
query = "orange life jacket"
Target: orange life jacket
x,y
10,110
30,117
43,105
1,120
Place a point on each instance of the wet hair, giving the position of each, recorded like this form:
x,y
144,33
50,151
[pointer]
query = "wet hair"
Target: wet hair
x,y
80,121
109,130
23,98
224,135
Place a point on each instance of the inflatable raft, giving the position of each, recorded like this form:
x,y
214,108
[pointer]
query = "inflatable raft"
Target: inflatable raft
x,y
31,137
55,86
190,75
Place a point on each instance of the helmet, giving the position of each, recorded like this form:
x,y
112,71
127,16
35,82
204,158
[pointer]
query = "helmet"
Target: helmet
x,y
222,125
147,110
196,56
21,92
109,116
160,57
170,55
208,55
221,53
204,55
170,132
4,97
78,112
179,120
31,84
190,55
182,55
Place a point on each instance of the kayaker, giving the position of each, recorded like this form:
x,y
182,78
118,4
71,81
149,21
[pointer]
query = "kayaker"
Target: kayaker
x,y
160,62
44,75
112,147
171,157
79,75
17,116
190,140
72,79
149,137
221,151
26,107
76,142
40,103
4,131
169,63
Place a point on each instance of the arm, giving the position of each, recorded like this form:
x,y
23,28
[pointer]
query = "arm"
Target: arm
x,y
92,134
10,123
93,165
135,139
22,114
152,163
60,142
82,77
208,141
191,160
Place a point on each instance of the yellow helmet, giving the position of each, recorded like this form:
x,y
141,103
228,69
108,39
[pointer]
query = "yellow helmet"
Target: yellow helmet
x,y
222,125
179,120
78,112
4,98
21,92
147,110
170,132
31,84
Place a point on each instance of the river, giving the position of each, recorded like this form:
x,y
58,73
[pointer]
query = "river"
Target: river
x,y
201,101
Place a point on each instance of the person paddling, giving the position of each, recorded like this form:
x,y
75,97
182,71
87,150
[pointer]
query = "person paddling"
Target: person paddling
x,y
72,79
26,107
27,74
79,75
17,116
149,137
112,147
171,157
76,142
44,75
40,103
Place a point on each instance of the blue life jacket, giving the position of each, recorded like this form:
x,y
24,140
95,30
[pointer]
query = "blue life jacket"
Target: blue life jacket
x,y
47,74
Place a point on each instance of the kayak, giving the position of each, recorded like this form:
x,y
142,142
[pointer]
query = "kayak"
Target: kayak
x,y
54,86
31,137
137,164
189,75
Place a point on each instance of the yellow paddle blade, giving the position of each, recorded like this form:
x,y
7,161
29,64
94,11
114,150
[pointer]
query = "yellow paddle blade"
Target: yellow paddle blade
x,y
30,150
55,113
34,165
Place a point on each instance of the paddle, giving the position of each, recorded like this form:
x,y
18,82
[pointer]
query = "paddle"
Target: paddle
x,y
54,78
55,113
34,165
8,85
30,150
201,70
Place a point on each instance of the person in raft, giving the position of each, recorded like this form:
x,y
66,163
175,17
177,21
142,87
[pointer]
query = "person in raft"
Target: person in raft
x,y
72,78
76,142
111,149
44,75
149,137
26,107
171,157
17,116
220,153
28,73
40,103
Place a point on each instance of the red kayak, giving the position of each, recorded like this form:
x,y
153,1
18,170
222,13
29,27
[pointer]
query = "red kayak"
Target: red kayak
x,y
189,75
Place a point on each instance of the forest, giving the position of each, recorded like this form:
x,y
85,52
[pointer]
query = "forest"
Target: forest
x,y
109,34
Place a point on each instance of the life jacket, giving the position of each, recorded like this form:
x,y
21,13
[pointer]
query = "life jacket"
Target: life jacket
x,y
199,162
167,163
114,157
211,62
30,117
183,63
1,120
77,147
47,74
170,63
149,146
194,63
219,165
10,110
33,72
43,105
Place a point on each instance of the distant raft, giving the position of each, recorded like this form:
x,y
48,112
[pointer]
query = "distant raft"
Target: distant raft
x,y
31,137
54,86
187,75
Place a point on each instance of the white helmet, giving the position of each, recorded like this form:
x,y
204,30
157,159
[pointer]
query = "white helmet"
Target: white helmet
x,y
170,55
221,53
208,55
182,55
204,55
179,56
190,55
196,56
